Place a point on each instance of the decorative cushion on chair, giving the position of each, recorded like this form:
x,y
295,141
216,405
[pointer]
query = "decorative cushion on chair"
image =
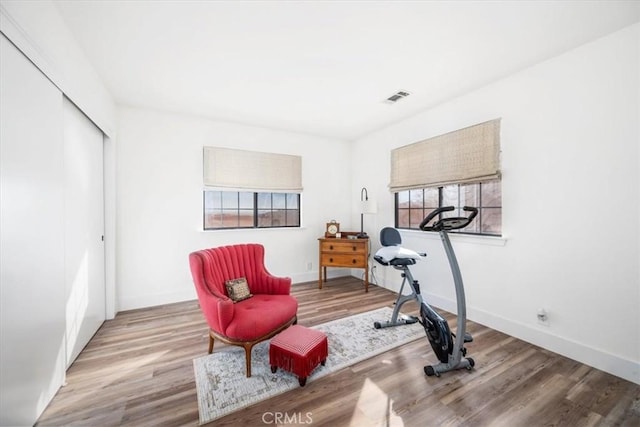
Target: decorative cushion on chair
x,y
238,289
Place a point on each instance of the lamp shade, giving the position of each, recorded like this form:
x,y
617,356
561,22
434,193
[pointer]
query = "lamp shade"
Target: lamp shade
x,y
368,207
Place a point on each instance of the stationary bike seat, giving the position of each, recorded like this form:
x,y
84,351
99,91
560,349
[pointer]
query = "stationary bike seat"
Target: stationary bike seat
x,y
391,253
394,261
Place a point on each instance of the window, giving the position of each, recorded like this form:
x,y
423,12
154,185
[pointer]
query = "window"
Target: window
x,y
412,206
244,209
459,168
250,189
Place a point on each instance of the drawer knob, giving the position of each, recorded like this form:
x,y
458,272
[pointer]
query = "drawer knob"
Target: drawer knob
x,y
353,261
330,259
354,248
331,247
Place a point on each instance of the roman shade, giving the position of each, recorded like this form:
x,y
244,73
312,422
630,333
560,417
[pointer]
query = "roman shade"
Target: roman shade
x,y
251,170
467,155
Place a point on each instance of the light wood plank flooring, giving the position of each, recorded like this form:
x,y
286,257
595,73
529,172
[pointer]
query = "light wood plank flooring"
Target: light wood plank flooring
x,y
137,371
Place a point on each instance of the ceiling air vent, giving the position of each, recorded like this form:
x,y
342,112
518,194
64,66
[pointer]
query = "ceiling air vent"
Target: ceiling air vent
x,y
396,97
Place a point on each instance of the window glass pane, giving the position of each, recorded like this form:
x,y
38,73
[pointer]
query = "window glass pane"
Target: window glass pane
x,y
491,220
229,219
431,197
279,200
245,218
264,218
492,194
403,199
470,195
416,217
417,200
212,199
474,226
426,214
403,218
229,199
264,200
293,218
246,200
212,219
279,218
292,200
450,196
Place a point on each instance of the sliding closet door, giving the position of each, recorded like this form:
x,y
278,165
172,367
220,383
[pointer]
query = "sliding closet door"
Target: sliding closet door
x,y
32,323
84,229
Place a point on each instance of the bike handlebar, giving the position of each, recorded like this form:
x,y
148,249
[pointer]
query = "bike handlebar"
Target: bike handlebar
x,y
449,223
434,214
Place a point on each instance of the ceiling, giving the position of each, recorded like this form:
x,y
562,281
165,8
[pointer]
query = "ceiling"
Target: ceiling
x,y
323,67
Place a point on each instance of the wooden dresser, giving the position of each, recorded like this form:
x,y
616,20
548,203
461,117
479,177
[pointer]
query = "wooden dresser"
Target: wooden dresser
x,y
343,252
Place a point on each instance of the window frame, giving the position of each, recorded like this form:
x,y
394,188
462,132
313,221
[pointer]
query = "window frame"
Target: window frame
x,y
255,210
482,210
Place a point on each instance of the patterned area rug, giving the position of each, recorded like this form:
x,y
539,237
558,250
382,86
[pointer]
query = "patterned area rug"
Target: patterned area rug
x,y
223,388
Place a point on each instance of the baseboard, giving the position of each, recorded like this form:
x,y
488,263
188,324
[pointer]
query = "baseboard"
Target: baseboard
x,y
541,337
313,276
143,301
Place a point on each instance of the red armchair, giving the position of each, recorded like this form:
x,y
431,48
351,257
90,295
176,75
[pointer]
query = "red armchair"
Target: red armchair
x,y
244,323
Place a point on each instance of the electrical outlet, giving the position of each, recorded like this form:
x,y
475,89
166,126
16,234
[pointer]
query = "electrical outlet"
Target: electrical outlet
x,y
309,266
543,317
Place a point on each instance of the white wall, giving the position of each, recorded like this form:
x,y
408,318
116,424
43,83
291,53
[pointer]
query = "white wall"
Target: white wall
x,y
159,215
571,217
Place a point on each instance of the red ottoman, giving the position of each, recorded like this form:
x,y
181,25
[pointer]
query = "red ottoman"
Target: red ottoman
x,y
298,350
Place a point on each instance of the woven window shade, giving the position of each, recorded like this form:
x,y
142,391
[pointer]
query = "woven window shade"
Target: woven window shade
x,y
251,170
467,155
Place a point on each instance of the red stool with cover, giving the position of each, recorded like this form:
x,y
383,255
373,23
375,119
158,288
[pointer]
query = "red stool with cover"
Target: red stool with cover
x,y
298,350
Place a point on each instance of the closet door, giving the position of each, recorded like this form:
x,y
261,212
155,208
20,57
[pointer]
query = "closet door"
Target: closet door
x,y
32,323
84,229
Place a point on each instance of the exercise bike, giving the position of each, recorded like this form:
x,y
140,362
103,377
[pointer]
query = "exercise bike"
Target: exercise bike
x,y
448,347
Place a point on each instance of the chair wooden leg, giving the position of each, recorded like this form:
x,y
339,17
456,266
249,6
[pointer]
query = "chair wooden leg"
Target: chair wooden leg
x,y
210,344
248,346
247,350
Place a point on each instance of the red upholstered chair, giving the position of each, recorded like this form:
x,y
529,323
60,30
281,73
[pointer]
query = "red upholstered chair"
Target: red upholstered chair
x,y
244,323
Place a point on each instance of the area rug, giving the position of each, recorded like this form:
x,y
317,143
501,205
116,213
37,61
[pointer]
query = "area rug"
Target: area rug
x,y
223,388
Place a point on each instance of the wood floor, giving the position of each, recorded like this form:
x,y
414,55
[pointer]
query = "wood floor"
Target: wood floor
x,y
137,371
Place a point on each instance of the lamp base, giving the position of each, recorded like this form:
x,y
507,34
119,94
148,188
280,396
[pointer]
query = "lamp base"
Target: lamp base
x,y
362,235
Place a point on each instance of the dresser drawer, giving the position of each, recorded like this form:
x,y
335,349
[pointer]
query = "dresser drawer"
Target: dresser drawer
x,y
343,260
342,247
